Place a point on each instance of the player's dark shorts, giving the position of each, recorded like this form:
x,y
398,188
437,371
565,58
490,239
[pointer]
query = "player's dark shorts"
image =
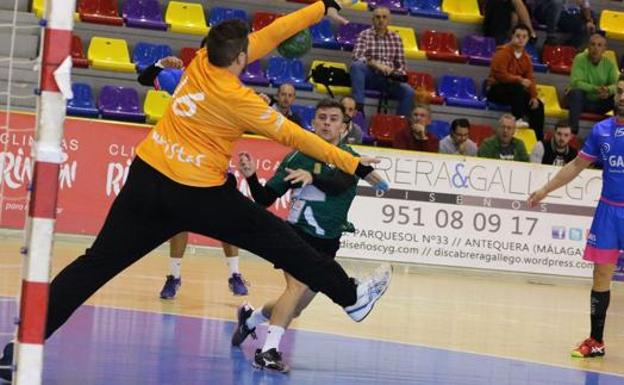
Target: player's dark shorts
x,y
327,247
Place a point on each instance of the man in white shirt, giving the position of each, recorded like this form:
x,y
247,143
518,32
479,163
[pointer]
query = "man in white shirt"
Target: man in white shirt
x,y
457,142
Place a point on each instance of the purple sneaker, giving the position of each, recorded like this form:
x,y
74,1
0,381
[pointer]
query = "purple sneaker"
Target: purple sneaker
x,y
237,284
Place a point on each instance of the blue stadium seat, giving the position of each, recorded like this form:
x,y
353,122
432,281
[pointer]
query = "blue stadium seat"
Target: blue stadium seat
x,y
306,114
538,66
323,36
439,128
219,14
426,8
82,103
459,91
281,70
145,54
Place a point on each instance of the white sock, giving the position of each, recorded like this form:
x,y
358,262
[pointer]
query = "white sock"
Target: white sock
x,y
256,319
232,263
174,265
273,338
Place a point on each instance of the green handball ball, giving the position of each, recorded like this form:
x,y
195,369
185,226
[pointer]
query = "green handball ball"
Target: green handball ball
x,y
297,45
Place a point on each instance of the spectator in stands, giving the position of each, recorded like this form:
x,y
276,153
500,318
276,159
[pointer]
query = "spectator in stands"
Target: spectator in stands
x,y
500,15
414,135
578,24
593,80
511,81
557,150
503,145
285,99
458,142
379,64
353,134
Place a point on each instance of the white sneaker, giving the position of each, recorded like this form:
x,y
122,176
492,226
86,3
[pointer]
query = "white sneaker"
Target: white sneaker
x,y
369,290
521,124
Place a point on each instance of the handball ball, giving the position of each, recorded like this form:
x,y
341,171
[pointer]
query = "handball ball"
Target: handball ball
x,y
297,45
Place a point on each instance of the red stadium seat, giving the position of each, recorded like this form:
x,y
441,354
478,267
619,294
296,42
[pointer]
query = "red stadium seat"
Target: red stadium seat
x,y
187,54
559,58
100,12
383,128
441,46
424,80
478,132
77,53
262,19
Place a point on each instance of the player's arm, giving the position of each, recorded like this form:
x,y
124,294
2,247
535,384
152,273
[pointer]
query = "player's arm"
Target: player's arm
x,y
334,182
563,177
262,195
262,42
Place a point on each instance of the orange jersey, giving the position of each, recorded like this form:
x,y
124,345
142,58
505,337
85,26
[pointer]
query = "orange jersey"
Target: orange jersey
x,y
210,109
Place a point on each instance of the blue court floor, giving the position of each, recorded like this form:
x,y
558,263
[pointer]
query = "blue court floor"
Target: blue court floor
x,y
103,346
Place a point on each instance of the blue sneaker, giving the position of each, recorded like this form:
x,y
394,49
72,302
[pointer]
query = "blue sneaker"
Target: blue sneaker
x,y
171,287
237,284
6,364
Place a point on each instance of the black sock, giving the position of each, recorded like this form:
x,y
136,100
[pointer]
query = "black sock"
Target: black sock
x,y
599,305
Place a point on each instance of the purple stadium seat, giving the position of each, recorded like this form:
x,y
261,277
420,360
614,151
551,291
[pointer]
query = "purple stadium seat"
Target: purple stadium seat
x,y
120,103
479,48
82,103
143,14
395,6
254,75
347,34
360,120
460,91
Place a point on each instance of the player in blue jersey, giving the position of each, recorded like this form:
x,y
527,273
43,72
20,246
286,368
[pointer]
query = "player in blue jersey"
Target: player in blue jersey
x,y
606,238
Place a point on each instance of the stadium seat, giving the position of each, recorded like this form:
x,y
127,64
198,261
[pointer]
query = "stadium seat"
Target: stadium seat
x,y
219,14
120,103
359,5
439,128
558,58
610,54
262,19
187,54
491,105
612,22
143,14
410,45
323,36
306,114
99,11
527,135
82,103
254,75
478,132
479,48
592,116
441,46
282,70
145,54
109,55
186,18
424,80
425,8
383,128
360,120
548,96
394,6
77,53
538,66
336,90
462,11
459,91
155,105
348,33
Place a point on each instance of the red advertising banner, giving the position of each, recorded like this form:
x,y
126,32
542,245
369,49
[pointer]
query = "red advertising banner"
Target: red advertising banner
x,y
99,155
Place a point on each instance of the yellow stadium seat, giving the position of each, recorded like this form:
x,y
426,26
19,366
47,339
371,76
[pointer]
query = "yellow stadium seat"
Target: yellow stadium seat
x,y
38,8
410,45
186,18
527,135
360,6
610,54
337,90
548,96
155,105
109,54
462,11
612,22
